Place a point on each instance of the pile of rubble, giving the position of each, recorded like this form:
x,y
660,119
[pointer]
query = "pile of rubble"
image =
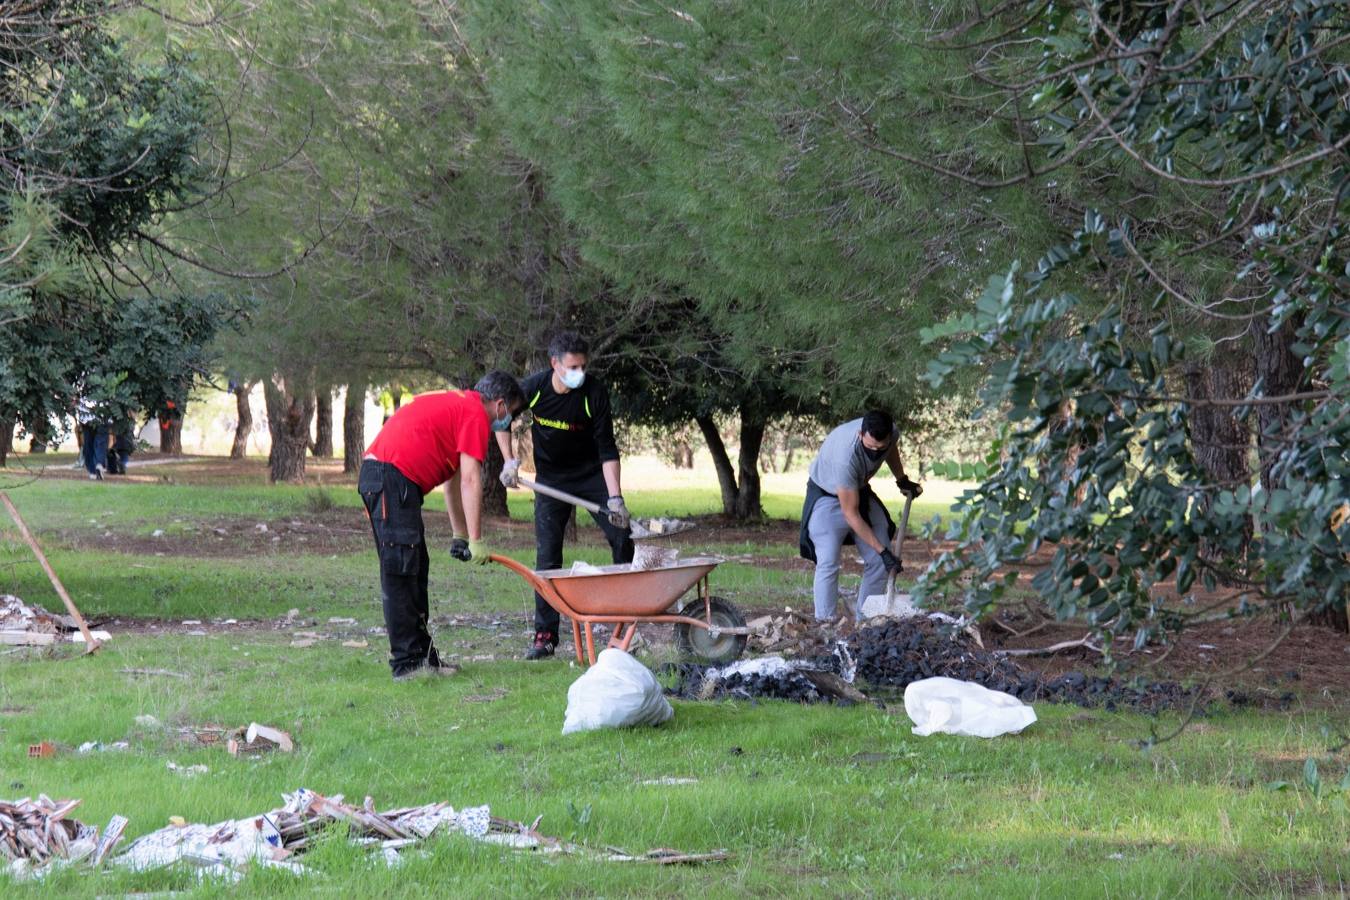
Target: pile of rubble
x,y
37,833
271,838
15,615
35,836
27,625
795,634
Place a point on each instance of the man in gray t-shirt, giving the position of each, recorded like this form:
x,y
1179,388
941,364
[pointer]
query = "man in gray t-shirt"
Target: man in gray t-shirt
x,y
840,507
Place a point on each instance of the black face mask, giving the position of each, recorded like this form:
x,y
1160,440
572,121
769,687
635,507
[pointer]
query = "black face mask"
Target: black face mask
x,y
874,455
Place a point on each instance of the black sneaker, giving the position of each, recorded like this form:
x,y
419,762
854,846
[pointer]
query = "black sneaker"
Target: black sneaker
x,y
429,670
545,642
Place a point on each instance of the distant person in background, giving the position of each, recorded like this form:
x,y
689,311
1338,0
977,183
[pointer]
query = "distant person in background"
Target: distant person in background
x,y
122,438
94,446
392,399
574,451
841,508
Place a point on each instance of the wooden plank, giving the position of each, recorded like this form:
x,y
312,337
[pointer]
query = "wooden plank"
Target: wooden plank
x,y
27,638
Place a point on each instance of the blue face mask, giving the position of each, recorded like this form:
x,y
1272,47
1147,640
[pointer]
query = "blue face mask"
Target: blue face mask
x,y
573,378
503,423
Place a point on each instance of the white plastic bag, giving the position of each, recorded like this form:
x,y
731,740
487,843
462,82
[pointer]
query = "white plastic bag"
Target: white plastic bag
x,y
616,692
950,706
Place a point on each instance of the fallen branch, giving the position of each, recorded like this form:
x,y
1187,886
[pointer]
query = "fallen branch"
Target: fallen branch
x,y
1084,641
152,672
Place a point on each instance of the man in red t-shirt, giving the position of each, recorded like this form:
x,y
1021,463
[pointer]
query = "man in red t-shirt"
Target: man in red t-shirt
x,y
440,437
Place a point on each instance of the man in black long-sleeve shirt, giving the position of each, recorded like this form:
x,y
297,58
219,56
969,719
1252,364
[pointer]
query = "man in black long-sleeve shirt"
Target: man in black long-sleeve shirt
x,y
574,451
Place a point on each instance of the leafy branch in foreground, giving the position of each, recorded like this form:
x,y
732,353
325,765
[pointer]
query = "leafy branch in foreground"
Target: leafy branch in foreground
x,y
1097,460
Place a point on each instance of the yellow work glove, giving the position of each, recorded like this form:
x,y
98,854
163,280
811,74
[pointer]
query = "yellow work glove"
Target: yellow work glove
x,y
479,552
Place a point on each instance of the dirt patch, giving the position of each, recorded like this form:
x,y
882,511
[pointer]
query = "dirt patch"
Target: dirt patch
x,y
149,467
1311,665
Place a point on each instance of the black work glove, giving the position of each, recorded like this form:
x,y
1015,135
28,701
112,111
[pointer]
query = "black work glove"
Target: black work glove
x,y
459,549
891,561
908,487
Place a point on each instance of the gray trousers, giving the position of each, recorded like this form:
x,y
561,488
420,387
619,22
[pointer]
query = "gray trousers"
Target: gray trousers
x,y
828,530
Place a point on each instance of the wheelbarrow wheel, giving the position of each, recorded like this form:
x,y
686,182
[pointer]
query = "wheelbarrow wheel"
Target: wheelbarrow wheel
x,y
700,643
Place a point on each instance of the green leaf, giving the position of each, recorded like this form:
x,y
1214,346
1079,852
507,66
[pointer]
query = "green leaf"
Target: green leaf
x,y
1311,777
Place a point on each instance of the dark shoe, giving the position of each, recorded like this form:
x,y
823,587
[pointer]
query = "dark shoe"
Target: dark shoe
x,y
545,642
429,670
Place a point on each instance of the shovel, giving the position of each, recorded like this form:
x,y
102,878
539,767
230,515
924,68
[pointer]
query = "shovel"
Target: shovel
x,y
638,529
889,598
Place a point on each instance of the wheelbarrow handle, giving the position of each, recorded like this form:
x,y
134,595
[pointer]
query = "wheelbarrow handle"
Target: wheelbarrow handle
x,y
563,496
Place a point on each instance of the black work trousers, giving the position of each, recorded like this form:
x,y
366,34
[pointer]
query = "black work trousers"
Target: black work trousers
x,y
394,505
550,521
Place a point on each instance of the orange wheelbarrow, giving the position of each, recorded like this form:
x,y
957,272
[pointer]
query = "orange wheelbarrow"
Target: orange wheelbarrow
x,y
707,627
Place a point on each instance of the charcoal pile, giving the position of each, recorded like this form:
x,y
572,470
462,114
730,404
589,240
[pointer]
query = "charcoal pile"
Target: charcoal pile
x,y
823,679
773,679
898,652
893,653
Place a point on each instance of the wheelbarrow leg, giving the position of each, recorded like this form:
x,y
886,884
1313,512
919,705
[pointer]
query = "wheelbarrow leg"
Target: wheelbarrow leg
x,y
576,641
623,635
590,645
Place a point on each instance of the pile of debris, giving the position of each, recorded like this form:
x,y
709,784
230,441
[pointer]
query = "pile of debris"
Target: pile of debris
x,y
820,666
827,678
895,652
899,651
795,634
272,838
15,615
35,834
26,625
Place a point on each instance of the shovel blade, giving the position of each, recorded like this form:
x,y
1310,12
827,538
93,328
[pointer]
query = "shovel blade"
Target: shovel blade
x,y
896,606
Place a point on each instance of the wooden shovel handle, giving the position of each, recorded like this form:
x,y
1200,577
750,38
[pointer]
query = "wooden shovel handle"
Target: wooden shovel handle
x,y
898,543
90,645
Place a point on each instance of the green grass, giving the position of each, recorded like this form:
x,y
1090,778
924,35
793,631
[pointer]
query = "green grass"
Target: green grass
x,y
1043,813
68,502
1070,808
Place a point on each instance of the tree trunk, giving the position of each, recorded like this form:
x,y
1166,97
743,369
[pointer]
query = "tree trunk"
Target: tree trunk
x,y
1218,440
245,424
740,498
171,432
748,497
353,428
1280,371
6,440
289,411
323,425
726,475
1333,617
494,492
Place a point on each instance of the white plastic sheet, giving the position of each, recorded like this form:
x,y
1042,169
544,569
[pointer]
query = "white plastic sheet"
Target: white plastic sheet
x,y
950,706
616,692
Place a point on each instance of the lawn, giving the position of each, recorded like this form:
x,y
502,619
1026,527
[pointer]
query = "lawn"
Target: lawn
x,y
807,800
